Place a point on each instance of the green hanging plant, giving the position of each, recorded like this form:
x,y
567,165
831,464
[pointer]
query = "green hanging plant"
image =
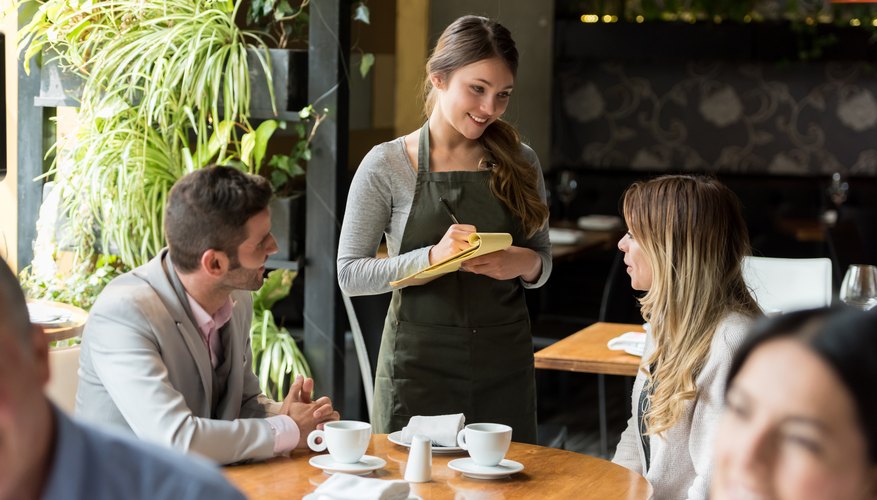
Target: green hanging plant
x,y
276,356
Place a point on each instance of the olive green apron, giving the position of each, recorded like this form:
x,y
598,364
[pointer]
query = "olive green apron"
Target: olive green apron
x,y
461,343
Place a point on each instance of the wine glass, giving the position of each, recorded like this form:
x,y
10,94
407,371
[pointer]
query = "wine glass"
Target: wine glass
x,y
859,287
566,189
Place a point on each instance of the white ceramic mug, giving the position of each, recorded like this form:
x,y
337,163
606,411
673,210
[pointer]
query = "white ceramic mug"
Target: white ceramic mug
x,y
487,444
346,440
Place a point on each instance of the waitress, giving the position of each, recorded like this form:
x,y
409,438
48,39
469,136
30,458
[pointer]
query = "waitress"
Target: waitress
x,y
460,343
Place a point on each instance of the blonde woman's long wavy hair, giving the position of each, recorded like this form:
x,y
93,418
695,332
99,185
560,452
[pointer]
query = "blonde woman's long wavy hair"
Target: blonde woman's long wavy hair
x,y
513,181
692,233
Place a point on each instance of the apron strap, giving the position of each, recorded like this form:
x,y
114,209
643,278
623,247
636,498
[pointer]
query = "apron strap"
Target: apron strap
x,y
423,149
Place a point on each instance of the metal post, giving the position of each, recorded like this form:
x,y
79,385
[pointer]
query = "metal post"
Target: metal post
x,y
328,55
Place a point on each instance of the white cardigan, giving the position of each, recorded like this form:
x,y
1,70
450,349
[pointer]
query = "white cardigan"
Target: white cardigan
x,y
681,458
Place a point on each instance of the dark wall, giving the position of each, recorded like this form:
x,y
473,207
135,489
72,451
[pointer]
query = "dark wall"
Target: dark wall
x,y
712,98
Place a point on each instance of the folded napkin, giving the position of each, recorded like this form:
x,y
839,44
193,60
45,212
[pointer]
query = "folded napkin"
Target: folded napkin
x,y
565,236
441,429
630,342
349,487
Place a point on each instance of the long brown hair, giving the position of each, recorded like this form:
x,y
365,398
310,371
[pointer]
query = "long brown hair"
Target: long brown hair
x,y
467,40
692,233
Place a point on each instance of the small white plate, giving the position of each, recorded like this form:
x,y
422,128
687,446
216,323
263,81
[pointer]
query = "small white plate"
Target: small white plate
x,y
470,469
600,222
396,438
366,464
43,314
639,350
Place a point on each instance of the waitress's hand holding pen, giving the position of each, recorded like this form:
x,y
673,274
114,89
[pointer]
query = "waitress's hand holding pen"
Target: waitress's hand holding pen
x,y
456,238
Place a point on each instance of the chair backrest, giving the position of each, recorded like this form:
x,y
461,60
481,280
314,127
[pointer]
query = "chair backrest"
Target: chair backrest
x,y
366,316
784,285
63,377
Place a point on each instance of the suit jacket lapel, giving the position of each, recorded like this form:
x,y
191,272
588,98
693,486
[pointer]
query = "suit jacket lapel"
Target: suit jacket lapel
x,y
164,280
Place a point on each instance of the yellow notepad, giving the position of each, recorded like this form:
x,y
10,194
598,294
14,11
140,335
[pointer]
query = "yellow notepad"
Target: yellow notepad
x,y
480,244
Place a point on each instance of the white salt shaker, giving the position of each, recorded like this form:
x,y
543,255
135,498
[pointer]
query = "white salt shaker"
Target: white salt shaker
x,y
419,467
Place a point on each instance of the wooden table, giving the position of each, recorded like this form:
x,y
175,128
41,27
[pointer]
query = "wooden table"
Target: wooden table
x,y
548,473
68,329
585,351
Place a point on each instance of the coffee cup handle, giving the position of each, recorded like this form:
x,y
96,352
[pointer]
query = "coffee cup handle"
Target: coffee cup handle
x,y
461,439
312,440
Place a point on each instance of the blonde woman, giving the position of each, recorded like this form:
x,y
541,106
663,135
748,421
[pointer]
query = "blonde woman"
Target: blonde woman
x,y
685,243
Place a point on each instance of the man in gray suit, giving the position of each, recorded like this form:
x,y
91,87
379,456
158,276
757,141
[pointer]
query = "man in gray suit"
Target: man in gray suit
x,y
166,351
44,454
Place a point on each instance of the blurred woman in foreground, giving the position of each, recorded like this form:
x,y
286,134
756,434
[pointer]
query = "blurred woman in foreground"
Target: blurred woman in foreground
x,y
801,414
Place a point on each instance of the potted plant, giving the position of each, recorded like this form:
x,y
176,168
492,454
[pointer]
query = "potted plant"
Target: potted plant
x,y
286,171
166,88
276,356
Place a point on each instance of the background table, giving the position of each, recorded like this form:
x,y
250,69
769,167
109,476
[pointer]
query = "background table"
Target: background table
x,y
585,351
68,329
548,473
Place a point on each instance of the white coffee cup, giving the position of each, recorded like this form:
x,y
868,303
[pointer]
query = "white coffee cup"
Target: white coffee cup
x,y
346,440
487,444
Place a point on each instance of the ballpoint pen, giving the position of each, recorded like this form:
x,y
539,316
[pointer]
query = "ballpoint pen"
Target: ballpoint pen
x,y
448,210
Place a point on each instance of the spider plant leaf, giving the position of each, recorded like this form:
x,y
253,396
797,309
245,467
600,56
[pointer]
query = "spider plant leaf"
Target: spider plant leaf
x,y
365,64
263,134
361,13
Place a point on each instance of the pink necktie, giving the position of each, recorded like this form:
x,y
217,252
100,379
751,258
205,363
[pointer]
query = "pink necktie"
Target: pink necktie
x,y
214,346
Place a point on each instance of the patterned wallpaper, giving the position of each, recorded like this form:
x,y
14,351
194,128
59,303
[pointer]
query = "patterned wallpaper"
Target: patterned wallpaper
x,y
759,117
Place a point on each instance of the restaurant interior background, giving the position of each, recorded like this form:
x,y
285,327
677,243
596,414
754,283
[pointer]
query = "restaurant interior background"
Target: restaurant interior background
x,y
774,103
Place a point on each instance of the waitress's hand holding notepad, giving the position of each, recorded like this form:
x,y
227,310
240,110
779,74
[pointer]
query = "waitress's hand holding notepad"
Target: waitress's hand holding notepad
x,y
479,244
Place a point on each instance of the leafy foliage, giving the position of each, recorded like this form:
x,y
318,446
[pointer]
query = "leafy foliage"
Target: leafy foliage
x,y
281,169
808,12
166,91
280,21
79,288
276,356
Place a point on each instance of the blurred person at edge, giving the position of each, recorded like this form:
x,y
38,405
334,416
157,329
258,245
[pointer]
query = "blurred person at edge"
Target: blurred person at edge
x,y
800,416
45,454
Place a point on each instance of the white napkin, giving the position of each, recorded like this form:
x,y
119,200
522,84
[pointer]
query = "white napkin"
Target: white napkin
x,y
45,314
349,487
630,342
441,429
565,236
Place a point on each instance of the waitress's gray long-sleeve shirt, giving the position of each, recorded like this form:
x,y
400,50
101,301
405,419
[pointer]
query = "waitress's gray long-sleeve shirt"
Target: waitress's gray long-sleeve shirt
x,y
378,204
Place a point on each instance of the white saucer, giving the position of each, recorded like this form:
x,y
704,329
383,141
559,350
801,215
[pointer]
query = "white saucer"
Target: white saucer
x,y
43,314
638,350
396,438
600,222
470,469
365,465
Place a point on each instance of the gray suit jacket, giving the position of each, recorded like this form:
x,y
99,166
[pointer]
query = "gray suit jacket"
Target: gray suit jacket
x,y
145,368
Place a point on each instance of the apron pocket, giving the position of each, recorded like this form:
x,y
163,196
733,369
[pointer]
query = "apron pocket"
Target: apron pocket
x,y
502,350
431,352
432,370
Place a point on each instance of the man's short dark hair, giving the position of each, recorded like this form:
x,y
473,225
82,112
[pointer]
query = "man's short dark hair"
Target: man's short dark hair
x,y
13,308
208,209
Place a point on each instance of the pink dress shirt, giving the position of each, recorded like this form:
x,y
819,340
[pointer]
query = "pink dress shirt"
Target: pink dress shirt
x,y
286,432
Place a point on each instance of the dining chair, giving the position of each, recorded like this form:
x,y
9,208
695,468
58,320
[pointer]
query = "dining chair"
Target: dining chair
x,y
784,285
63,377
366,317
